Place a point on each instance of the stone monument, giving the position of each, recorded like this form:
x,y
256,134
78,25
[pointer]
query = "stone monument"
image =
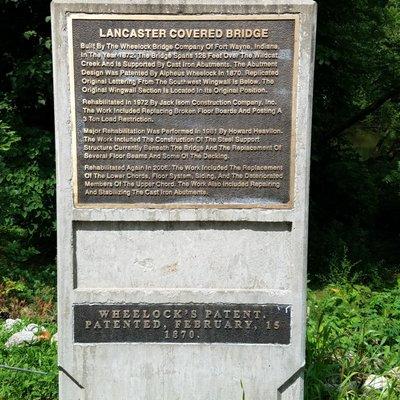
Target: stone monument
x,y
183,147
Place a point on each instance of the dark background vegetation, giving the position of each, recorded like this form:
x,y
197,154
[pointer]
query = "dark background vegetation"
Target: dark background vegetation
x,y
355,175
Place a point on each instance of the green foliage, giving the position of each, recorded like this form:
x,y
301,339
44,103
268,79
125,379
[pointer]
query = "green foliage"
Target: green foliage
x,y
355,176
41,356
341,271
33,302
352,332
27,227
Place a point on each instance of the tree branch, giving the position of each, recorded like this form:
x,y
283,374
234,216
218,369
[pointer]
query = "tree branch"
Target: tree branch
x,y
362,114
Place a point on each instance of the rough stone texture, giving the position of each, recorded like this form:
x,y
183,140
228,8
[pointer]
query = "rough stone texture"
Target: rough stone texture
x,y
191,256
29,334
261,256
375,382
10,323
23,337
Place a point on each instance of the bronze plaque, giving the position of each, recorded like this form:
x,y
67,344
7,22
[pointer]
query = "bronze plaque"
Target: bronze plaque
x,y
182,323
183,110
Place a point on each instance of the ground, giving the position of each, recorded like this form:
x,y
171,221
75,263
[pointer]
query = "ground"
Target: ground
x,y
353,336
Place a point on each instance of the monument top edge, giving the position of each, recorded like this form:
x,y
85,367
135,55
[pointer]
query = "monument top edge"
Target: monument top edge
x,y
188,2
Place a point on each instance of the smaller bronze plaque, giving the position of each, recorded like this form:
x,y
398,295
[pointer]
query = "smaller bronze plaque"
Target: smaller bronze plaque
x,y
182,323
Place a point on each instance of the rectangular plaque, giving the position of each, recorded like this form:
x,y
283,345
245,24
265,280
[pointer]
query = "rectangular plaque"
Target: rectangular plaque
x,y
182,323
183,110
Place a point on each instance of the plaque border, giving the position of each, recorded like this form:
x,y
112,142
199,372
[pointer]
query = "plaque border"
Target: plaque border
x,y
173,17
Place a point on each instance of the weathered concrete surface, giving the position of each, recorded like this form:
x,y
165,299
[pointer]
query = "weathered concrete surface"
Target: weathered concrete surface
x,y
267,249
192,255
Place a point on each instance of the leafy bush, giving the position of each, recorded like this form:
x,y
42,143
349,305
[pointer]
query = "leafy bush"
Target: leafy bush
x,y
33,303
352,332
27,227
19,299
41,356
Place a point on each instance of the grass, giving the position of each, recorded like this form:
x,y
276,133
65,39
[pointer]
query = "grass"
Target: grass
x,y
41,356
33,303
353,331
